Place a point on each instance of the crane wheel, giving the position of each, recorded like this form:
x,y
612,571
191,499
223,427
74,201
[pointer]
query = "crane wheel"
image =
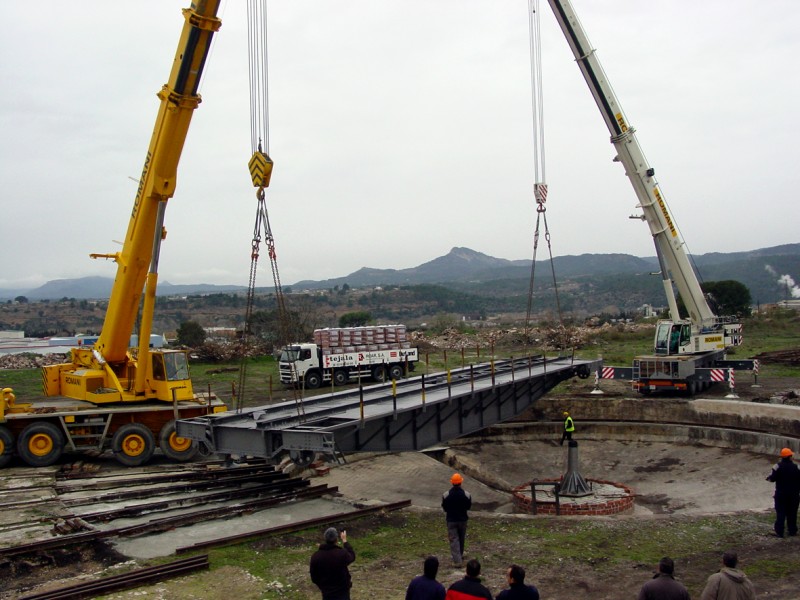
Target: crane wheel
x,y
40,444
6,446
173,446
133,444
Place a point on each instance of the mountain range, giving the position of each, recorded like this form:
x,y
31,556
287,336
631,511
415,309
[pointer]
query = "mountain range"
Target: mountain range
x,y
769,273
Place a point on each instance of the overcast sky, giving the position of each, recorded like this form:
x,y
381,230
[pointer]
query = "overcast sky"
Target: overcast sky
x,y
399,129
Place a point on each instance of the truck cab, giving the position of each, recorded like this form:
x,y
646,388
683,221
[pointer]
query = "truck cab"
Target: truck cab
x,y
296,361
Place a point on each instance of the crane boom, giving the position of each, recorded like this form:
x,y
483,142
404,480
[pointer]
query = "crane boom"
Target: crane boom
x,y
110,371
670,247
688,354
179,98
668,241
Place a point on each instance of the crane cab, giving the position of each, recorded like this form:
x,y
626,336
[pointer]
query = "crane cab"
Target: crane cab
x,y
167,379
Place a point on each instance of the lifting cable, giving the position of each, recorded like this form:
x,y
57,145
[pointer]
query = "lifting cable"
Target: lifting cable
x,y
260,166
540,185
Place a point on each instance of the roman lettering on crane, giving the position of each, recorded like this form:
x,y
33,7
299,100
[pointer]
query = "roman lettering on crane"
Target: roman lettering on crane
x,y
665,212
141,183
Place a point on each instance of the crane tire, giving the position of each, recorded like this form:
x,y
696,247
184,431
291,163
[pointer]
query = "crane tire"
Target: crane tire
x,y
133,445
173,446
40,444
6,446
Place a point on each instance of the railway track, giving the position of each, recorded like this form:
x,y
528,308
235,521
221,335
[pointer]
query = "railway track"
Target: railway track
x,y
133,579
81,520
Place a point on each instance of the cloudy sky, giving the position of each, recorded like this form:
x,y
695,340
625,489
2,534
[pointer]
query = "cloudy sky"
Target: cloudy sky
x,y
399,129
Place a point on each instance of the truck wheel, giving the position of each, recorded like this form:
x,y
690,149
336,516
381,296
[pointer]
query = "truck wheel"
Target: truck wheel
x,y
379,373
395,372
173,446
6,446
40,444
313,380
340,377
583,371
133,445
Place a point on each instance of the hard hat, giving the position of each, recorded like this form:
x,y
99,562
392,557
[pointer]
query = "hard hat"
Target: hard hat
x,y
456,479
566,414
786,452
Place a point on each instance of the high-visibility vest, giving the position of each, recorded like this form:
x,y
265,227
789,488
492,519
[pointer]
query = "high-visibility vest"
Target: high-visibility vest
x,y
569,425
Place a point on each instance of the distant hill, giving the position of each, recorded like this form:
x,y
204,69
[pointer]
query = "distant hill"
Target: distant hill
x,y
474,272
100,288
463,264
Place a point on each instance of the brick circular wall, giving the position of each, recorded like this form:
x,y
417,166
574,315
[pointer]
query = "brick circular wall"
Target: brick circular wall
x,y
593,506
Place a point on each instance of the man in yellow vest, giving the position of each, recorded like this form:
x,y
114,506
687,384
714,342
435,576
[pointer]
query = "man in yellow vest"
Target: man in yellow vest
x,y
569,427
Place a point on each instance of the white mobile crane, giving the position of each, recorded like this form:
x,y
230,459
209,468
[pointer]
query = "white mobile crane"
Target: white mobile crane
x,y
689,353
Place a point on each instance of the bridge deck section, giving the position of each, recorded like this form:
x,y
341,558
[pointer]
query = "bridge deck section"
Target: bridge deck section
x,y
411,414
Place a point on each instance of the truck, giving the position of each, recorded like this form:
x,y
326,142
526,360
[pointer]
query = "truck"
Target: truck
x,y
690,353
347,354
108,394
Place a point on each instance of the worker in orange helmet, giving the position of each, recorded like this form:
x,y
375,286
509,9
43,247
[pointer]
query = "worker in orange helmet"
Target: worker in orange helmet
x,y
456,503
786,476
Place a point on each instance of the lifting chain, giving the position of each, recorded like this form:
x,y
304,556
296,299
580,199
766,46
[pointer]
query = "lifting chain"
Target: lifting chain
x,y
540,187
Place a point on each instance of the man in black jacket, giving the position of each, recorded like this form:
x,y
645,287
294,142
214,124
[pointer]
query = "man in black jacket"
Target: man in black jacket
x,y
786,476
663,585
470,587
328,566
455,503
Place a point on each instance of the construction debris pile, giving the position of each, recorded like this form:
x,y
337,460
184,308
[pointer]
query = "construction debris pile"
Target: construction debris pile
x,y
549,338
30,360
789,357
790,397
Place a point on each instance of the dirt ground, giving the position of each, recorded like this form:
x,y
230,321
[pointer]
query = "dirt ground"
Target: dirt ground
x,y
699,495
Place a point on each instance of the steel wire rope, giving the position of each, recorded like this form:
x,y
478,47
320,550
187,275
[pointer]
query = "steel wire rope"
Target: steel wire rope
x,y
540,185
258,80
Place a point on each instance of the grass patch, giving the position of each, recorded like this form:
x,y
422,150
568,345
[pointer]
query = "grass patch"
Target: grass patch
x,y
616,551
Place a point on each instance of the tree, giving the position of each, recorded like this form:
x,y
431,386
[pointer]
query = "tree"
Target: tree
x,y
732,297
21,300
191,333
355,319
727,297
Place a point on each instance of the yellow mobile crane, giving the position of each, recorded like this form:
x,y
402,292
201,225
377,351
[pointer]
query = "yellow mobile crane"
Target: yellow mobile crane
x,y
110,392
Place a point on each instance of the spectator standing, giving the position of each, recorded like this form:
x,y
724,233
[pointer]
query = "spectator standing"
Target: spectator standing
x,y
328,566
729,583
425,586
470,587
517,589
786,476
456,503
663,585
569,427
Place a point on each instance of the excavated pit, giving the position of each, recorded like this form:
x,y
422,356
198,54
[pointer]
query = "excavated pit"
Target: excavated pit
x,y
664,456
